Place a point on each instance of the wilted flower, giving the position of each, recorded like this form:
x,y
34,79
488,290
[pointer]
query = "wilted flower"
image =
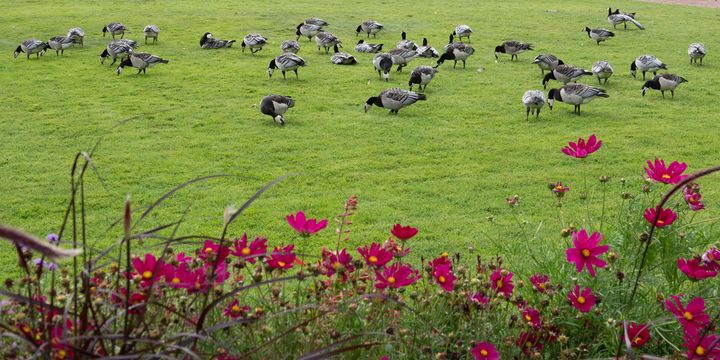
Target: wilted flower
x,y
695,269
638,334
539,282
529,342
582,300
303,226
249,252
134,303
692,317
375,255
444,276
484,351
395,276
672,174
691,194
586,251
479,299
513,200
403,232
559,189
582,149
712,258
666,217
234,310
282,258
502,284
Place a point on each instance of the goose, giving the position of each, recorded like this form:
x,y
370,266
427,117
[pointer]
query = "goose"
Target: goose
x,y
534,100
32,46
646,63
547,62
576,94
404,43
114,28
141,61
602,70
59,44
207,41
326,40
308,30
363,47
117,49
275,106
427,51
254,41
599,34
422,75
455,51
77,35
462,31
341,58
401,57
286,62
290,46
664,82
696,51
394,99
564,73
632,14
511,47
370,27
316,21
383,63
151,31
616,18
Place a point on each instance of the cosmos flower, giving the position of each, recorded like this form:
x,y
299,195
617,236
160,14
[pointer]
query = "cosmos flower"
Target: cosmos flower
x,y
707,348
395,276
479,298
403,232
672,174
337,263
444,276
666,217
558,189
711,258
586,251
484,351
582,149
696,269
502,284
211,250
691,194
539,282
234,310
149,269
531,317
582,300
692,317
638,334
375,255
529,342
303,226
249,252
282,258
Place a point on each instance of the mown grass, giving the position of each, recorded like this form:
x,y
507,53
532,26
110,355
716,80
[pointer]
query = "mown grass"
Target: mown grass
x,y
443,165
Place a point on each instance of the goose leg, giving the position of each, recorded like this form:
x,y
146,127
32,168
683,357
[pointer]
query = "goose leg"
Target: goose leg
x,y
122,35
146,40
673,93
296,75
284,78
455,64
598,80
527,113
537,113
463,64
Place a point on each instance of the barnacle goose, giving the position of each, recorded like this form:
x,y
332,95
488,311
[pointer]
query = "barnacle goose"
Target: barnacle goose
x,y
394,99
663,82
114,28
422,75
401,57
455,51
316,21
404,43
209,42
77,35
696,51
462,31
602,70
383,63
59,44
341,58
308,30
427,51
576,94
370,27
363,47
616,18
326,40
254,41
547,62
646,63
564,73
290,46
511,47
141,61
534,100
599,34
32,46
151,31
117,49
286,62
275,106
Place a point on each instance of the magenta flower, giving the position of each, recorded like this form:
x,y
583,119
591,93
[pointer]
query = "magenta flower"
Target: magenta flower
x,y
211,250
444,276
692,197
444,259
479,299
484,351
666,217
234,310
540,282
183,259
582,300
531,317
149,270
403,232
180,277
502,283
638,334
586,251
529,342
337,263
695,269
582,149
256,249
282,258
395,276
672,174
376,255
303,226
711,258
707,348
692,317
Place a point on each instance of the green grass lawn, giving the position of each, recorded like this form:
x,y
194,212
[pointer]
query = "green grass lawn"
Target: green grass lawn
x,y
442,165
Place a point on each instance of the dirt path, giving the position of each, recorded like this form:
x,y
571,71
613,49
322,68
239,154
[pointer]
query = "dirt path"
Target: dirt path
x,y
701,3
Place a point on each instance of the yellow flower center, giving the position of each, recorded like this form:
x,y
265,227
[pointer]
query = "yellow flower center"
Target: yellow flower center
x,y
373,259
147,274
541,286
660,222
441,279
528,317
711,257
499,284
688,316
281,263
666,176
245,251
208,250
637,340
581,300
528,344
445,254
391,279
483,352
586,253
336,265
61,354
692,200
699,351
175,280
559,188
235,309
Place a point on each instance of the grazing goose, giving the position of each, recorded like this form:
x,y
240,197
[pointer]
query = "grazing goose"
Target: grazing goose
x,y
363,47
646,63
564,73
117,49
32,46
462,31
696,51
341,58
151,31
455,51
394,99
308,30
326,40
209,42
401,57
511,47
290,46
276,106
547,62
422,75
286,62
370,27
534,100
114,28
405,43
77,35
599,34
316,21
254,41
663,82
602,70
427,51
59,44
383,63
141,61
576,94
616,18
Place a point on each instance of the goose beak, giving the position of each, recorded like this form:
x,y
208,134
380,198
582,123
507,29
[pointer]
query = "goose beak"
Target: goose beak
x,y
496,56
15,55
367,107
644,90
119,70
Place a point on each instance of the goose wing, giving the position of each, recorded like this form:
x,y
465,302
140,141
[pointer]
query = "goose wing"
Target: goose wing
x,y
583,91
401,96
671,77
152,28
602,66
289,60
32,44
545,58
149,58
533,97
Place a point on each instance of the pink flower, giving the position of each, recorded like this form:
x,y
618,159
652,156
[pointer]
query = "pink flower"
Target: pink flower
x,y
712,258
340,263
586,251
479,299
183,259
638,334
303,226
691,193
695,269
149,270
531,317
376,255
135,303
485,351
234,310
707,348
582,149
211,250
529,342
403,232
180,277
395,276
665,218
539,282
444,259
282,258
444,276
672,174
256,249
502,284
583,301
692,317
